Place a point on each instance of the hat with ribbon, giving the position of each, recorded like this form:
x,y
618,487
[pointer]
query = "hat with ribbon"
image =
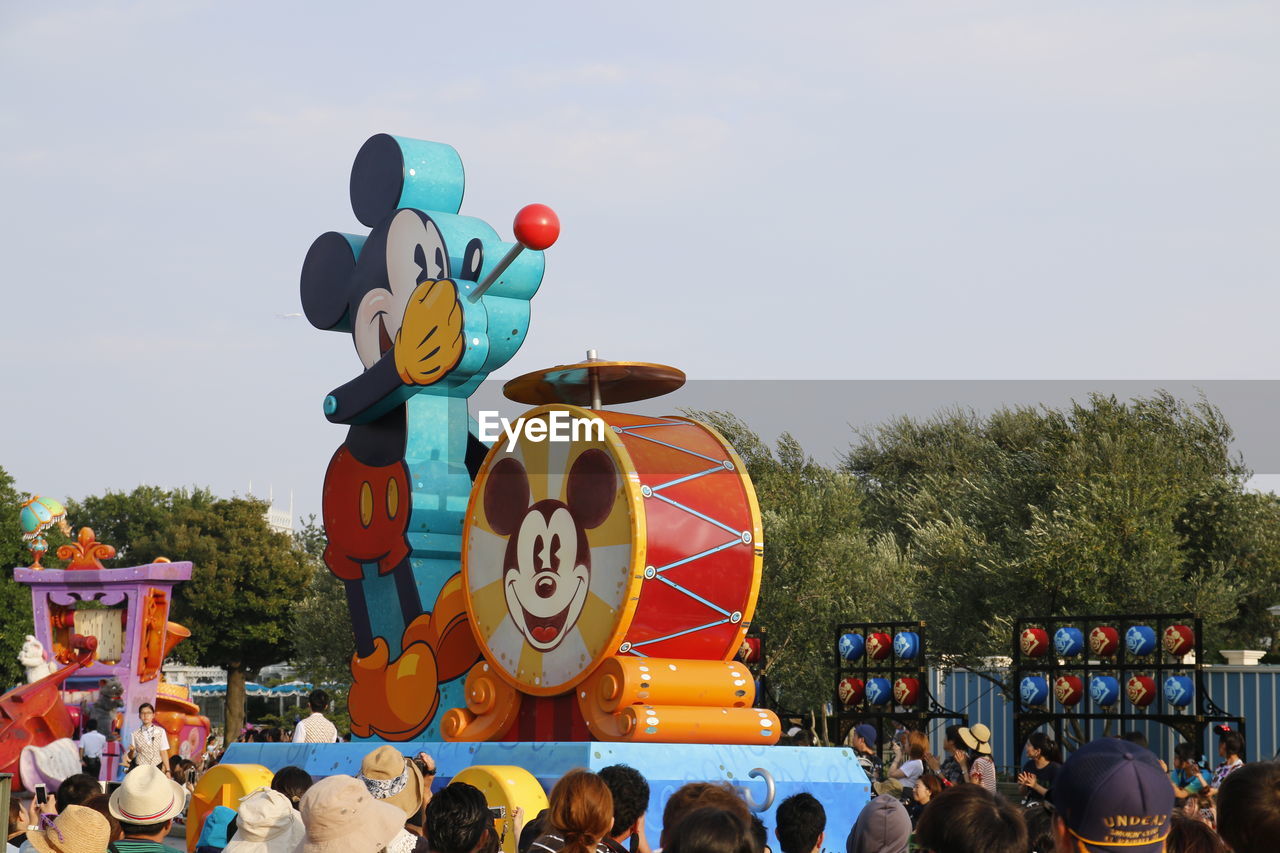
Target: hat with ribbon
x,y
147,796
266,823
76,830
392,778
342,817
976,737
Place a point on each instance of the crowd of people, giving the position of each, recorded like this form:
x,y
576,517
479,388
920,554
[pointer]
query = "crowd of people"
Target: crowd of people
x,y
1112,795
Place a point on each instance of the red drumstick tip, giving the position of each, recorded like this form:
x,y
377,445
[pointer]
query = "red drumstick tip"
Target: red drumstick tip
x,y
537,226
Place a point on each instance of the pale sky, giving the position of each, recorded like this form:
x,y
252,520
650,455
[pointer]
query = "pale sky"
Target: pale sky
x,y
970,190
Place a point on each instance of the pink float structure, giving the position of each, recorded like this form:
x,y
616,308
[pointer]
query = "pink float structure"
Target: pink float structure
x,y
99,628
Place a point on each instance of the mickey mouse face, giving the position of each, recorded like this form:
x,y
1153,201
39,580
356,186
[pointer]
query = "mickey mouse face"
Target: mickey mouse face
x,y
415,252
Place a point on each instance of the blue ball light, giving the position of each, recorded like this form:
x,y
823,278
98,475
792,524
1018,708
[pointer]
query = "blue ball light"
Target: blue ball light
x,y
851,646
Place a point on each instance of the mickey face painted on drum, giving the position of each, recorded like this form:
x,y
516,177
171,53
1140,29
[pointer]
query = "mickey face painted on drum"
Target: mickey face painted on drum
x,y
547,565
547,586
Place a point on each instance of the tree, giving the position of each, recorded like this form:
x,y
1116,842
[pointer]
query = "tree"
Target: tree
x,y
1105,506
15,599
323,639
247,577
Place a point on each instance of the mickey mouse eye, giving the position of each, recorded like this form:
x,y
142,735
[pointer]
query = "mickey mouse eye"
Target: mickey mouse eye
x,y
415,252
472,260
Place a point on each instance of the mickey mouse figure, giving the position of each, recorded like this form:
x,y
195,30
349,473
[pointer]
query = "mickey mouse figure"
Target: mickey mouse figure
x,y
433,302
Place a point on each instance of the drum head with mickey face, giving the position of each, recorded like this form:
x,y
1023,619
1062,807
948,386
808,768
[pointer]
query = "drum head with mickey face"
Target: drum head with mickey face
x,y
547,557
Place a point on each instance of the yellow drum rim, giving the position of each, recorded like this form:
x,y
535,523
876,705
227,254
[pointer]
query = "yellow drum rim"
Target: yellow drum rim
x,y
630,492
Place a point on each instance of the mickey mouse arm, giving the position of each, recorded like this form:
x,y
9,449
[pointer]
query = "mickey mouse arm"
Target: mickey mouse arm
x,y
369,396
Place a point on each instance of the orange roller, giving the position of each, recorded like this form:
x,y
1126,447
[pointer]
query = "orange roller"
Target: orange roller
x,y
492,705
659,700
620,681
682,724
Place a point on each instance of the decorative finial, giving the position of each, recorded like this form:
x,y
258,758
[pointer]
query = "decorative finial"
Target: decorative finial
x,y
86,553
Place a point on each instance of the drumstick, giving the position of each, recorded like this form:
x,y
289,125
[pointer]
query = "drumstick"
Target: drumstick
x,y
537,227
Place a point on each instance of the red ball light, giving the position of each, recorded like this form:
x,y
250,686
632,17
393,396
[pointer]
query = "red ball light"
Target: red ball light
x,y
1104,640
906,691
1035,642
1142,690
851,690
1068,689
1179,640
537,226
879,646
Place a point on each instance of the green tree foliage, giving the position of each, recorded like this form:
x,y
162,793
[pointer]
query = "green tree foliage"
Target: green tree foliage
x,y
323,638
247,577
1105,506
15,599
821,565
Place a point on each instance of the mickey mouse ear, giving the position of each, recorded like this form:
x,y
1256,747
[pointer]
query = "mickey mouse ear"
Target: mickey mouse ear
x,y
392,172
326,280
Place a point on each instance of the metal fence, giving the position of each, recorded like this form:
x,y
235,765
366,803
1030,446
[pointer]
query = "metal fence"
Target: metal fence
x,y
1252,692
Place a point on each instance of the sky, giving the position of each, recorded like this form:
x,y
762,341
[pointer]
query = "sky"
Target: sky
x,y
748,191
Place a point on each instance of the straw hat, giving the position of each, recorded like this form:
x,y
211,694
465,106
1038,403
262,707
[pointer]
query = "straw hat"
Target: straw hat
x,y
392,778
147,796
341,817
77,830
977,737
267,823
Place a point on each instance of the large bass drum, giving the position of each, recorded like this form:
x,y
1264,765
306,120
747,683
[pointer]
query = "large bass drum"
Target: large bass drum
x,y
637,536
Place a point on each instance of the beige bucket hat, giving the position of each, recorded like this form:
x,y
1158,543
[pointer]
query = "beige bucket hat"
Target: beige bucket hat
x,y
392,778
147,796
76,830
977,737
342,817
266,823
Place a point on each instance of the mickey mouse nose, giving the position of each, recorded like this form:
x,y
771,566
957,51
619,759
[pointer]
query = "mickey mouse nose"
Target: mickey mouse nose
x,y
545,586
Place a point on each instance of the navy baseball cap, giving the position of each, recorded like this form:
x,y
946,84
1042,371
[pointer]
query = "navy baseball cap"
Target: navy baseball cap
x,y
867,732
1112,795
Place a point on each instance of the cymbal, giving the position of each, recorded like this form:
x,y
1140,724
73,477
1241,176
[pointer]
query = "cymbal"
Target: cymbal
x,y
619,382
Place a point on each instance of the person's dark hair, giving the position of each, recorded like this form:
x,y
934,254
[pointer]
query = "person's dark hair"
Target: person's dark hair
x,y
318,700
143,828
932,781
101,803
175,763
1249,807
532,829
694,795
970,819
1233,744
91,725
457,818
580,810
293,782
1039,820
74,790
1188,835
710,830
759,834
16,823
146,705
1047,746
800,820
953,735
630,796
1186,752
1135,737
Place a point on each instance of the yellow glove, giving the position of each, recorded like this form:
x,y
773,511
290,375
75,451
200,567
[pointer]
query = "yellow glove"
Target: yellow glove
x,y
429,343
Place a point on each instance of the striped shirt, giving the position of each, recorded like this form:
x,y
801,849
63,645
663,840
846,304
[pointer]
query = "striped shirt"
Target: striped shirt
x,y
137,845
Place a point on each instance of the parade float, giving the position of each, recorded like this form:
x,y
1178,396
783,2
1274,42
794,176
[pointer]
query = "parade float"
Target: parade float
x,y
574,595
101,636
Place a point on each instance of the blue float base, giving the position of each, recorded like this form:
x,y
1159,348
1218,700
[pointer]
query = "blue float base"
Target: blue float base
x,y
832,774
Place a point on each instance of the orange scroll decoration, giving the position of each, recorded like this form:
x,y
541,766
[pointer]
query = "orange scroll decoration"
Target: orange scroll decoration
x,y
492,705
659,700
86,553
